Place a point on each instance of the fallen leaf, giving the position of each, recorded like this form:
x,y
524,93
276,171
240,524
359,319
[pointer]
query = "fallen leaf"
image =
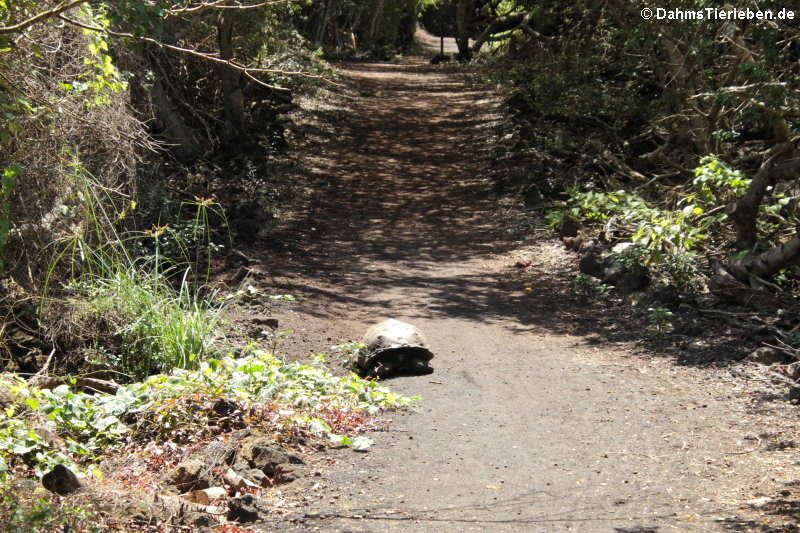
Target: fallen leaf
x,y
204,496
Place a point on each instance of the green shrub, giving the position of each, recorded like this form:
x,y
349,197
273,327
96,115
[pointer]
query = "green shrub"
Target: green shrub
x,y
589,287
715,182
683,269
660,319
669,237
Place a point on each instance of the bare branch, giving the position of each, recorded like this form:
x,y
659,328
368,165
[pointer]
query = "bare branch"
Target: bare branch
x,y
261,82
756,269
504,23
203,5
79,118
220,4
217,4
743,213
43,370
740,89
208,56
44,15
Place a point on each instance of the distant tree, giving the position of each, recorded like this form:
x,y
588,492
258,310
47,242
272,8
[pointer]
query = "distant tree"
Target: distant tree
x,y
367,25
478,21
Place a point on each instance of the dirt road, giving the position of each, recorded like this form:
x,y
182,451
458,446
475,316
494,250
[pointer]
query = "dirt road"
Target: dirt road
x,y
522,427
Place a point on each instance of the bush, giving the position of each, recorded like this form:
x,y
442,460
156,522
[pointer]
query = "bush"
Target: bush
x,y
63,101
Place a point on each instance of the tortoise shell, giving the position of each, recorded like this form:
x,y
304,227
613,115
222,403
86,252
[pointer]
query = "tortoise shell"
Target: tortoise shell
x,y
394,347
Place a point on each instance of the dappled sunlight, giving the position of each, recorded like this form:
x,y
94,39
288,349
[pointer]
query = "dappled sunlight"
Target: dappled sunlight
x,y
402,219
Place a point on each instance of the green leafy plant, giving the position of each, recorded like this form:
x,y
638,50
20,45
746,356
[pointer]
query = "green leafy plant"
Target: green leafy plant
x,y
349,352
632,257
6,184
276,337
305,397
683,269
659,319
657,230
600,205
39,513
554,217
590,287
668,238
670,231
716,181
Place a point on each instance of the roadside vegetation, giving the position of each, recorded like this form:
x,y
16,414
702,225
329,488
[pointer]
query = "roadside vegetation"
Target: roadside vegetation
x,y
663,152
675,135
41,428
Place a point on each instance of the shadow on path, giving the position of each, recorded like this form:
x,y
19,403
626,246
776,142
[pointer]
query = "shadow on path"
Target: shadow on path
x,y
520,429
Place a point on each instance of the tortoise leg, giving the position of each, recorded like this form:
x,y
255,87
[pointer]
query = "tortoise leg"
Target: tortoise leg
x,y
421,368
383,369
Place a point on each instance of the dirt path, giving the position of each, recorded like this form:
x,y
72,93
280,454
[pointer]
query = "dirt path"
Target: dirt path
x,y
522,427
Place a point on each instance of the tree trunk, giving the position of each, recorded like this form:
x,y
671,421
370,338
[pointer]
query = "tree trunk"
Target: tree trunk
x,y
754,269
745,211
231,80
462,27
175,130
323,23
680,67
501,24
373,25
740,54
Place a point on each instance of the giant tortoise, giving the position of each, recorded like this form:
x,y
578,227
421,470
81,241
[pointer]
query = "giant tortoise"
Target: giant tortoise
x,y
394,347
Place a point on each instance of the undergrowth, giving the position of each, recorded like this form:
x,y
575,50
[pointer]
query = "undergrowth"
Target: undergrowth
x,y
42,513
146,288
40,428
671,236
159,327
349,353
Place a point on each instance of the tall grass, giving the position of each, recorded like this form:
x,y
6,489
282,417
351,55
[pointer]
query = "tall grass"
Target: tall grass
x,y
156,317
159,327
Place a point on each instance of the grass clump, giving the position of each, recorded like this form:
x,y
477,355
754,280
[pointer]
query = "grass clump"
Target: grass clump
x,y
147,311
158,327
